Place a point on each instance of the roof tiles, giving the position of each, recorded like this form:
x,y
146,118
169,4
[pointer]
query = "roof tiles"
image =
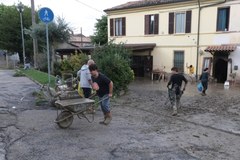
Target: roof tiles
x,y
143,3
225,48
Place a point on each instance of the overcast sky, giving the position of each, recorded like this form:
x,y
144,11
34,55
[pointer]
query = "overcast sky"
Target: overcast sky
x,y
78,13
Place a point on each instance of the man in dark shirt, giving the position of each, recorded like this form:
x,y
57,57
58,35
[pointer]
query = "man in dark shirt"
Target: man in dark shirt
x,y
104,87
176,80
204,80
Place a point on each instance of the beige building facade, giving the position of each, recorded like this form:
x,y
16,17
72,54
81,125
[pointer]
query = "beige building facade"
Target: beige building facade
x,y
202,33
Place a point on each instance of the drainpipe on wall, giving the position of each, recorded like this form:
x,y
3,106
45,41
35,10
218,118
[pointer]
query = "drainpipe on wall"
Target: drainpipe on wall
x,y
198,30
198,33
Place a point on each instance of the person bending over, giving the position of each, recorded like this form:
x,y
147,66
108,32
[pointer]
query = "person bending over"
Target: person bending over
x,y
104,88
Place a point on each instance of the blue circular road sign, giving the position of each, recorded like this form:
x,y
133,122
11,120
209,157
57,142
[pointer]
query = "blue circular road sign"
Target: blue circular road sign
x,y
46,15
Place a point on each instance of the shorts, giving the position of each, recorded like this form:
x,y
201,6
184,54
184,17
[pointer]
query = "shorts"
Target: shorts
x,y
105,103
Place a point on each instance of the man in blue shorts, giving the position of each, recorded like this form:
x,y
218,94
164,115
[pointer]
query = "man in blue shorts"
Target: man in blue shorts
x,y
104,88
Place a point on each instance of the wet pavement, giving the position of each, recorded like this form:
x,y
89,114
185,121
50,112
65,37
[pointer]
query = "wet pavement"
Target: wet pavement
x,y
206,128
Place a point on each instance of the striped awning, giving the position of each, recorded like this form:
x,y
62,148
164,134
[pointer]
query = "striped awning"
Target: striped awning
x,y
222,48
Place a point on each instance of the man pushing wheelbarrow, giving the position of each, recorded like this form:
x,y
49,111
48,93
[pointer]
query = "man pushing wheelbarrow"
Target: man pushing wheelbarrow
x,y
104,88
176,92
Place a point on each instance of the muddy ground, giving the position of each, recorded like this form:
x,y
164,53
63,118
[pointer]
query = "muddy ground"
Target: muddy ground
x,y
206,128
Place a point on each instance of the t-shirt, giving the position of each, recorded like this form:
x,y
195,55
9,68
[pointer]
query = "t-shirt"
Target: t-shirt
x,y
177,79
103,83
176,82
191,70
204,76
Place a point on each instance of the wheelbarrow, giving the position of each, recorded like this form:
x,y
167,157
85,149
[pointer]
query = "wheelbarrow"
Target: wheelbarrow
x,y
71,107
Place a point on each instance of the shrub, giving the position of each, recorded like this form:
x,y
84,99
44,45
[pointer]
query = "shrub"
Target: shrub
x,y
57,68
66,66
71,65
42,62
113,60
18,73
77,61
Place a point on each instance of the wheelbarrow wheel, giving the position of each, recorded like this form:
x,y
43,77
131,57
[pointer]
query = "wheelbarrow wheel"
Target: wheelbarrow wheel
x,y
64,119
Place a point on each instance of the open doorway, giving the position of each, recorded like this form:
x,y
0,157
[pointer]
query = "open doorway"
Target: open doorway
x,y
142,65
220,67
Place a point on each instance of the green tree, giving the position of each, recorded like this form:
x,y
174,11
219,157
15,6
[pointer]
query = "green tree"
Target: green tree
x,y
77,61
101,34
58,32
113,60
10,29
71,65
74,63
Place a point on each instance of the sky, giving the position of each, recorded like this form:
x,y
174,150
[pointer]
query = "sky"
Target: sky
x,y
79,14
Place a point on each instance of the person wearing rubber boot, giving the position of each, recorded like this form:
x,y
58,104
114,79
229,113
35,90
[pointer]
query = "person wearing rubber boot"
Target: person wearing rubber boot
x,y
175,81
104,88
204,80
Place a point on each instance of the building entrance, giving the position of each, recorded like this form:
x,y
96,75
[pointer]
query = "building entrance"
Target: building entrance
x,y
220,67
142,65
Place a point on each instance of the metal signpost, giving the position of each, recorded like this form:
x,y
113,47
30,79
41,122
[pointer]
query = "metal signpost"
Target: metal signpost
x,y
46,15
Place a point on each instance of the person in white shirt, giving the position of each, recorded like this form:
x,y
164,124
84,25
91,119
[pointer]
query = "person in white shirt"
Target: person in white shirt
x,y
85,78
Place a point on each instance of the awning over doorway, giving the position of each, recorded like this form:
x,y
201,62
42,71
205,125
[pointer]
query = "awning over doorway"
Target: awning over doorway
x,y
140,46
221,48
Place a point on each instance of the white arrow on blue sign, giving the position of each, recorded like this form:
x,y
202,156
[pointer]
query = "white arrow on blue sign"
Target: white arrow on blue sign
x,y
46,15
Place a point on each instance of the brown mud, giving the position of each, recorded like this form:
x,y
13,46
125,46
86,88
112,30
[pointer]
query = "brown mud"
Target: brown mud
x,y
206,128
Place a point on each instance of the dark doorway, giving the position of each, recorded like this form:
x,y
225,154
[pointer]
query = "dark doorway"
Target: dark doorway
x,y
142,65
220,67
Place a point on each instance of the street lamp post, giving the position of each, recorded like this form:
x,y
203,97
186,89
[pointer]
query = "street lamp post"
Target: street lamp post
x,y
35,43
20,10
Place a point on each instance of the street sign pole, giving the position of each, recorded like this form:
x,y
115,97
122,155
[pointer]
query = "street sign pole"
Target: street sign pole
x,y
46,15
48,56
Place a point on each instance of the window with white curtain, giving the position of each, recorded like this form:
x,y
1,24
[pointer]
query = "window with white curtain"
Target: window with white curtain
x,y
118,26
152,24
180,22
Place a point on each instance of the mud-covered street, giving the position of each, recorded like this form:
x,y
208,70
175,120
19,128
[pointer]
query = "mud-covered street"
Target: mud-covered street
x,y
206,128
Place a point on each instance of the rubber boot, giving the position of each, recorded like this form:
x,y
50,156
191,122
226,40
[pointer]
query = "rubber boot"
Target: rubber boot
x,y
203,93
103,122
174,110
108,118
